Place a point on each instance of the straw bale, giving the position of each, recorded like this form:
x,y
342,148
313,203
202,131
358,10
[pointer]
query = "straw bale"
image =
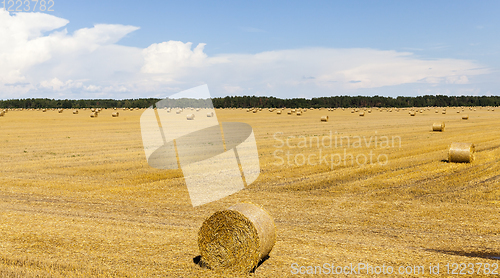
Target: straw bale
x,y
236,239
461,152
438,126
324,118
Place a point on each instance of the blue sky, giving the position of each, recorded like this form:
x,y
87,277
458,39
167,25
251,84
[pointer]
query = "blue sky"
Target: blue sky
x,y
123,49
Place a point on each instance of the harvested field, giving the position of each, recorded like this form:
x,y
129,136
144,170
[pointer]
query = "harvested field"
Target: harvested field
x,y
78,198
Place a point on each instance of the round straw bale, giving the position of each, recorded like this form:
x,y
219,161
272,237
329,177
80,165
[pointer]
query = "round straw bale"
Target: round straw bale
x,y
465,117
2,113
444,112
298,113
178,111
115,114
438,126
289,112
324,118
60,110
278,112
437,111
75,111
255,110
461,152
94,115
236,239
190,116
412,113
44,110
361,113
210,114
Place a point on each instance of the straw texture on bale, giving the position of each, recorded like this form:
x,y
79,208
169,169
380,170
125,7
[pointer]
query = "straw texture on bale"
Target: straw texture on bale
x,y
465,117
461,152
236,239
438,126
190,117
324,118
115,114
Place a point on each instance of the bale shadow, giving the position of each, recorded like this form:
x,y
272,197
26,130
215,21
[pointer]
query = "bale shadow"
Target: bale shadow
x,y
198,261
445,160
471,254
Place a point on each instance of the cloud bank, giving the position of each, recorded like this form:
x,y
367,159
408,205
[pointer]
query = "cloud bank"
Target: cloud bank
x,y
39,58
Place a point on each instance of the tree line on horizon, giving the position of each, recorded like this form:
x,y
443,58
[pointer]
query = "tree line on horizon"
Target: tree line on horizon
x,y
263,102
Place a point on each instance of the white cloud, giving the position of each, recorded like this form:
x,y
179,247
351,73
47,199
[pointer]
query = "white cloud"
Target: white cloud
x,y
37,57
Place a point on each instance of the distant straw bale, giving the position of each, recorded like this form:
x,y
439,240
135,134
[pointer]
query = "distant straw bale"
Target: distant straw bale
x,y
438,126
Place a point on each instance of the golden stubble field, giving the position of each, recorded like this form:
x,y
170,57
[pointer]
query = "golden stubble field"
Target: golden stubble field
x,y
78,199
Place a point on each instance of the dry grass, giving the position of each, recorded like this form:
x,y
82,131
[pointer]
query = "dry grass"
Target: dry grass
x,y
74,205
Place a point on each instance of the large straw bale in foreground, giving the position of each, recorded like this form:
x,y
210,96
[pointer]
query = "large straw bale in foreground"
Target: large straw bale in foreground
x,y
438,126
236,239
461,152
